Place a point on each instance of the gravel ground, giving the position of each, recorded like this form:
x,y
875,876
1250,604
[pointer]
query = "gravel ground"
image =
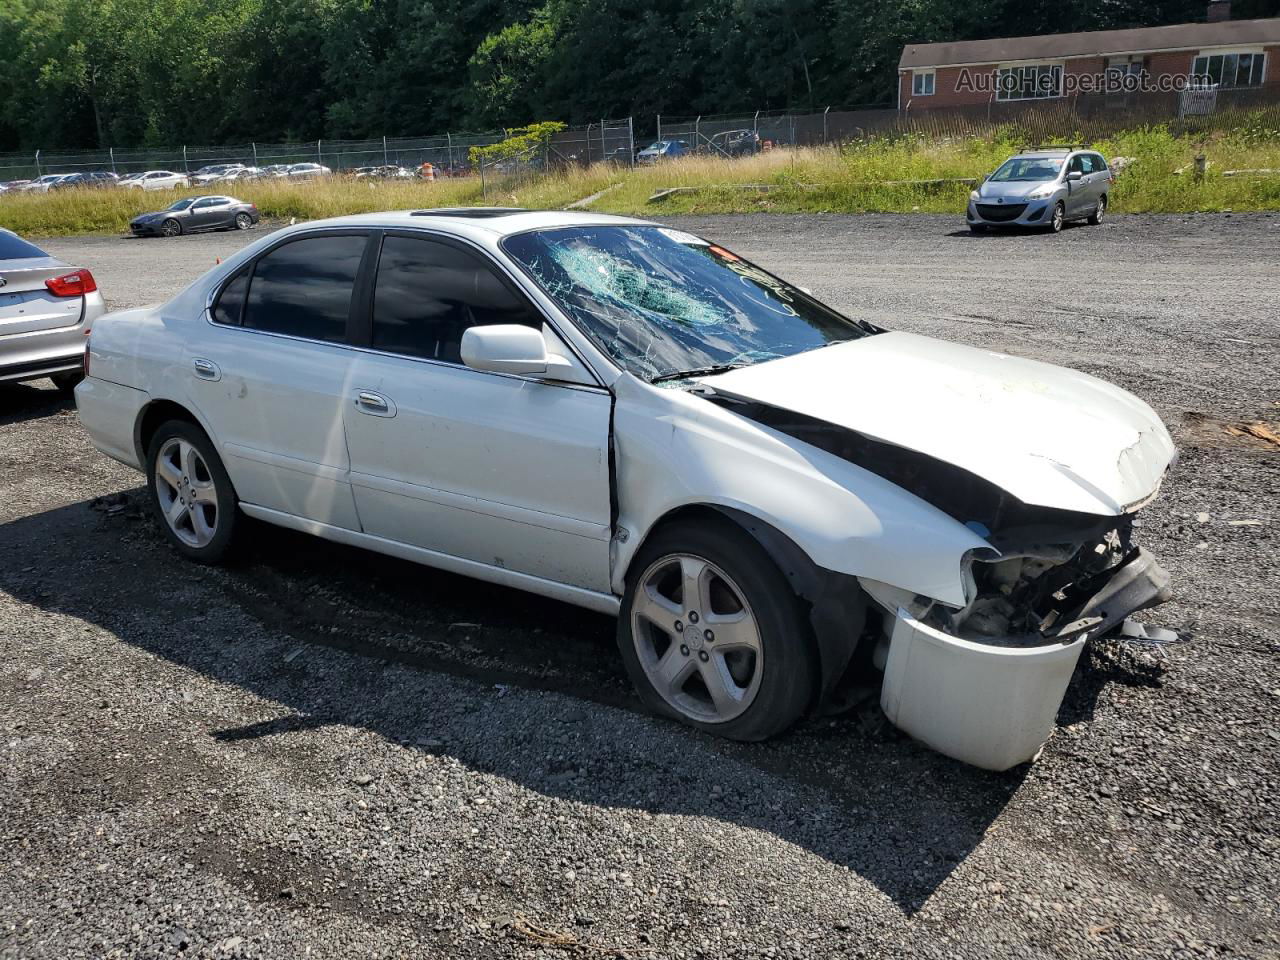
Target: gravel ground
x,y
320,752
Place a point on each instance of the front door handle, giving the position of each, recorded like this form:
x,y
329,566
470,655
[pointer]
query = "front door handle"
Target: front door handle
x,y
206,369
374,404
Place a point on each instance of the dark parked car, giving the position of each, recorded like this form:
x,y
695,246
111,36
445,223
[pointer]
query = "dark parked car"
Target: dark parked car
x,y
96,178
735,143
662,150
194,214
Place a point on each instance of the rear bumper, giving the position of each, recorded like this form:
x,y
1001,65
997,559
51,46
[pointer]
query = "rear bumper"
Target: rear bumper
x,y
38,353
109,411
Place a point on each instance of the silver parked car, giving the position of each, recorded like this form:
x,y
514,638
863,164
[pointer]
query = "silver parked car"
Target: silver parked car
x,y
1043,188
46,308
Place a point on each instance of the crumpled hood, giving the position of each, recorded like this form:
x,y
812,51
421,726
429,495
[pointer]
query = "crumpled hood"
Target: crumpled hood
x,y
1050,436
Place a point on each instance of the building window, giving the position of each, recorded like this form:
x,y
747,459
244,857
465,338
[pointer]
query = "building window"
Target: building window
x,y
1228,69
1035,81
922,83
1124,74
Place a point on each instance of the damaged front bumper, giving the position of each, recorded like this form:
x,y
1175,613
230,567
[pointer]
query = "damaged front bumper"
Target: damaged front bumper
x,y
992,701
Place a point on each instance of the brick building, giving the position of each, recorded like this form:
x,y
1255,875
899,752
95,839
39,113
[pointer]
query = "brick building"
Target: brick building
x,y
1219,54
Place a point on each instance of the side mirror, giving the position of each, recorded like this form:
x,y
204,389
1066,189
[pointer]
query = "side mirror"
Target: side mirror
x,y
1074,175
507,348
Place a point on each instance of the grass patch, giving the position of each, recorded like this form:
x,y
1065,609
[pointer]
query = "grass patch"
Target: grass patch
x,y
854,178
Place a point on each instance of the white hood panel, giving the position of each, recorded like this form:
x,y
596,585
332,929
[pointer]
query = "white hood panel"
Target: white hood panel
x,y
1050,436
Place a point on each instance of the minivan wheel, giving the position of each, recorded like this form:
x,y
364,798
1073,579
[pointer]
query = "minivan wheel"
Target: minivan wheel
x,y
712,634
1099,211
243,221
191,492
171,228
1059,217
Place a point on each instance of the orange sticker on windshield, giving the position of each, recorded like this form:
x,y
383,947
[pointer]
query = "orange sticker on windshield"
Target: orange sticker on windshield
x,y
722,252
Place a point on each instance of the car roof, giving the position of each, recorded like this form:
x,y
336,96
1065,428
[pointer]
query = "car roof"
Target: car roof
x,y
500,221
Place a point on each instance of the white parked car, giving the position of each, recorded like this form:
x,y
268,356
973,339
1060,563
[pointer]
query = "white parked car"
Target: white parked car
x,y
156,180
767,494
214,171
42,184
307,171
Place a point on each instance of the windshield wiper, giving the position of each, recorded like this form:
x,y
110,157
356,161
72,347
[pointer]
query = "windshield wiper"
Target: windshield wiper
x,y
699,372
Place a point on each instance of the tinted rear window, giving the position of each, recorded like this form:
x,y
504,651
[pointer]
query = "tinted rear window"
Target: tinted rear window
x,y
13,247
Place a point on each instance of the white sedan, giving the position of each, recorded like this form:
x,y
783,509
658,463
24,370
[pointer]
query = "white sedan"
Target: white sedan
x,y
156,180
778,502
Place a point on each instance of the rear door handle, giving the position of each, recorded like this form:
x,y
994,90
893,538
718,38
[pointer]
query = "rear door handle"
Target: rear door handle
x,y
374,404
206,369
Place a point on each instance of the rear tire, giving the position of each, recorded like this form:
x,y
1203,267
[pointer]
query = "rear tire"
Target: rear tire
x,y
1099,211
243,221
739,660
66,382
190,492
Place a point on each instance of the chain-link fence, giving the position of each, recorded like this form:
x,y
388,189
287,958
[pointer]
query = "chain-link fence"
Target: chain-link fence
x,y
448,153
1089,117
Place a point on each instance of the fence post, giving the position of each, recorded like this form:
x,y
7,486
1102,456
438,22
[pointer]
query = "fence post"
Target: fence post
x,y
825,138
449,137
697,133
37,164
631,142
319,155
111,152
755,122
384,150
604,146
186,168
659,126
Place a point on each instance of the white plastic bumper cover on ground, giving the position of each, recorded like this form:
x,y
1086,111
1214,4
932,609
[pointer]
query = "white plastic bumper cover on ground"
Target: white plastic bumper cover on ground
x,y
990,706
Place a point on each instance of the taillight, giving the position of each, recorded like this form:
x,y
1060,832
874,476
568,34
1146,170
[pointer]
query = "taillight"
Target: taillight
x,y
72,284
86,353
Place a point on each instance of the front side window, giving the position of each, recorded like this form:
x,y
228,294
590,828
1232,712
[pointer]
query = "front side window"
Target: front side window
x,y
181,204
1037,81
428,293
663,303
1228,69
922,83
303,288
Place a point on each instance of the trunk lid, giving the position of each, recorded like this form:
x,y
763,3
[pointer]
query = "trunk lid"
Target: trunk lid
x,y
1050,436
26,305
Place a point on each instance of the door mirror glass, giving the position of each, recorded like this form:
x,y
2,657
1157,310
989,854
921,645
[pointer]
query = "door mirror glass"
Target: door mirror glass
x,y
506,348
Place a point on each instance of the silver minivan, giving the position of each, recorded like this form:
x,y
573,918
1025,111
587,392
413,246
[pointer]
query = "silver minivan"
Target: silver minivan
x,y
1043,187
46,308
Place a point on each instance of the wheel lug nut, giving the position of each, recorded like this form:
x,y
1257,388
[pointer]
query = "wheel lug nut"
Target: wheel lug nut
x,y
684,649
702,655
709,635
693,616
679,627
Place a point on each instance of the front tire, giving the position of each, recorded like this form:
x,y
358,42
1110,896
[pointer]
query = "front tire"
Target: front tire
x,y
712,634
1099,211
171,228
1058,218
190,492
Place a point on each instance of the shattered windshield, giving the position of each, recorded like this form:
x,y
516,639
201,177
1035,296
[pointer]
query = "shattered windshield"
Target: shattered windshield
x,y
663,302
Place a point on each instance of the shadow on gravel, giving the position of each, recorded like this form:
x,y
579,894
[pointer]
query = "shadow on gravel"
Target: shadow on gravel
x,y
30,401
849,789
